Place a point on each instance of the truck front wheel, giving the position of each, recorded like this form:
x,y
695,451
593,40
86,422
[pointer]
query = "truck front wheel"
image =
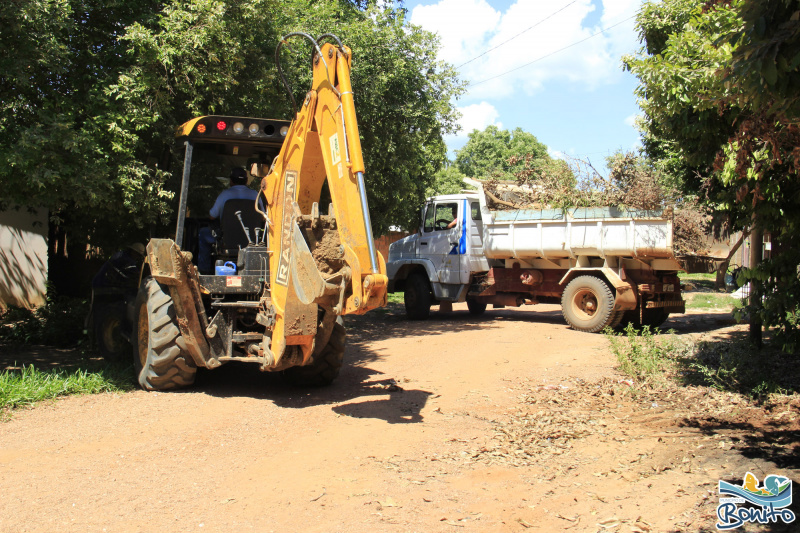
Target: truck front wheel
x,y
587,304
160,358
417,297
475,308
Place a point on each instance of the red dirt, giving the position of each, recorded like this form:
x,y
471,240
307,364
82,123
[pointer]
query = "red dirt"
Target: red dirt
x,y
507,422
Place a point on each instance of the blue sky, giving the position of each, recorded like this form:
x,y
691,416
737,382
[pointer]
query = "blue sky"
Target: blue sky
x,y
574,98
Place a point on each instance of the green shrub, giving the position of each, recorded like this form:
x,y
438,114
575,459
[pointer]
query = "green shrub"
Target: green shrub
x,y
778,280
731,365
737,366
644,354
59,322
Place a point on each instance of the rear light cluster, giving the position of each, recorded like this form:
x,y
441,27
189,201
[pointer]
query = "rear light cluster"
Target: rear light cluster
x,y
239,128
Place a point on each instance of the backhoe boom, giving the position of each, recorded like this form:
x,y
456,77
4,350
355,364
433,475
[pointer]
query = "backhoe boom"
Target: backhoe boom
x,y
318,261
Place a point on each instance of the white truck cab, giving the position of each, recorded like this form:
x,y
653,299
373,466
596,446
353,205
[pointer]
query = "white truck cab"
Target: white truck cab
x,y
447,247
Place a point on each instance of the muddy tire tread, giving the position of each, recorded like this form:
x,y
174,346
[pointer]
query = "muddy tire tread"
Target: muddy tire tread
x,y
168,365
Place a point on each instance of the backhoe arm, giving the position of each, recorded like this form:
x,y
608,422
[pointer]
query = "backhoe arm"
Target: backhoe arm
x,y
320,265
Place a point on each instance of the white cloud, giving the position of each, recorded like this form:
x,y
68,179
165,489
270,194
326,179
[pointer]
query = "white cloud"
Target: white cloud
x,y
463,26
556,154
631,120
477,117
469,28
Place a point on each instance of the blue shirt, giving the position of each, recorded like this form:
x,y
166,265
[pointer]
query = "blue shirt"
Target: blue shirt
x,y
235,192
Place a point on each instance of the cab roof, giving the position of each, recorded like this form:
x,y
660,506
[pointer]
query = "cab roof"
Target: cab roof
x,y
463,195
224,129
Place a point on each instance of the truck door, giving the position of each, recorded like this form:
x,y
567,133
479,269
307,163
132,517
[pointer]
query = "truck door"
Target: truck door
x,y
440,239
477,262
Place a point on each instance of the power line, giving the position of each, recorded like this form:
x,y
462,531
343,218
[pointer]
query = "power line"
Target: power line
x,y
517,35
552,53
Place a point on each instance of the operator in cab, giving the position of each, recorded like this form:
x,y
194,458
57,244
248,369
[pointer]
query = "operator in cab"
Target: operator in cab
x,y
237,190
454,213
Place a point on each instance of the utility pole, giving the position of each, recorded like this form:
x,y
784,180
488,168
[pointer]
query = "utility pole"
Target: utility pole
x,y
756,253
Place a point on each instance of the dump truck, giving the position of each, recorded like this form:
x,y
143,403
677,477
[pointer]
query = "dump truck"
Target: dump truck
x,y
290,270
604,265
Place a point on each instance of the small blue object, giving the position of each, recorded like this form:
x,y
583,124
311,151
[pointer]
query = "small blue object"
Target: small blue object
x,y
228,269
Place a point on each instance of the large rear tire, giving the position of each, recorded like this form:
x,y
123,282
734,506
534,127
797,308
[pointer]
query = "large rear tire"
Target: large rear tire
x,y
587,304
160,357
653,317
324,366
417,297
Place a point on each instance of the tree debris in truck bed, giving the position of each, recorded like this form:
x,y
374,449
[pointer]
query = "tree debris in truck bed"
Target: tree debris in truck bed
x,y
580,185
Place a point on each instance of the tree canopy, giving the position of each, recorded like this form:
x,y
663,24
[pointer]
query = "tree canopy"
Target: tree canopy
x,y
498,153
448,180
91,91
718,88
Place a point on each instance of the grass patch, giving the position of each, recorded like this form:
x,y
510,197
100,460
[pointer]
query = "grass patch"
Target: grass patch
x,y
394,302
29,385
703,276
710,300
699,282
395,298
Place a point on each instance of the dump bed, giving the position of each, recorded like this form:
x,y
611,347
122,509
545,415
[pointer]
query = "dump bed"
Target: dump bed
x,y
583,231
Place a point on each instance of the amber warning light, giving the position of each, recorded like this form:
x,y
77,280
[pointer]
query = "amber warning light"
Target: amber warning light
x,y
201,128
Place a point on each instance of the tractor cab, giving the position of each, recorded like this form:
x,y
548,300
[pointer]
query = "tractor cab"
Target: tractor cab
x,y
214,146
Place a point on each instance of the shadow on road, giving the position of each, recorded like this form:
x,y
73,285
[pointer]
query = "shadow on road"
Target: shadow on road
x,y
358,392
774,443
361,391
698,322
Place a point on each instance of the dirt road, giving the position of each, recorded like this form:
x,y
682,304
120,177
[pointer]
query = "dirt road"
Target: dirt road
x,y
504,423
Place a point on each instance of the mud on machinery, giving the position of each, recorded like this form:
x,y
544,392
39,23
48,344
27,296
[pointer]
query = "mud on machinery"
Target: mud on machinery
x,y
298,270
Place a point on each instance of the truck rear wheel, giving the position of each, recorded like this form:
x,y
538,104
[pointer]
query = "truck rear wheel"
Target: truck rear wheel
x,y
160,357
417,297
325,365
108,319
475,308
587,304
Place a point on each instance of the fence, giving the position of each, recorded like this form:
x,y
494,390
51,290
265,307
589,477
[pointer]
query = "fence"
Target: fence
x,y
382,243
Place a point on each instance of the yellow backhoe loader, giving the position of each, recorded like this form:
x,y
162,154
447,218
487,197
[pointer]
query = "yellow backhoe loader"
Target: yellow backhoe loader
x,y
295,271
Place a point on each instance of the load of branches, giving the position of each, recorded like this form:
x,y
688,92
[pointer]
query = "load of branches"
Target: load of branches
x,y
552,183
